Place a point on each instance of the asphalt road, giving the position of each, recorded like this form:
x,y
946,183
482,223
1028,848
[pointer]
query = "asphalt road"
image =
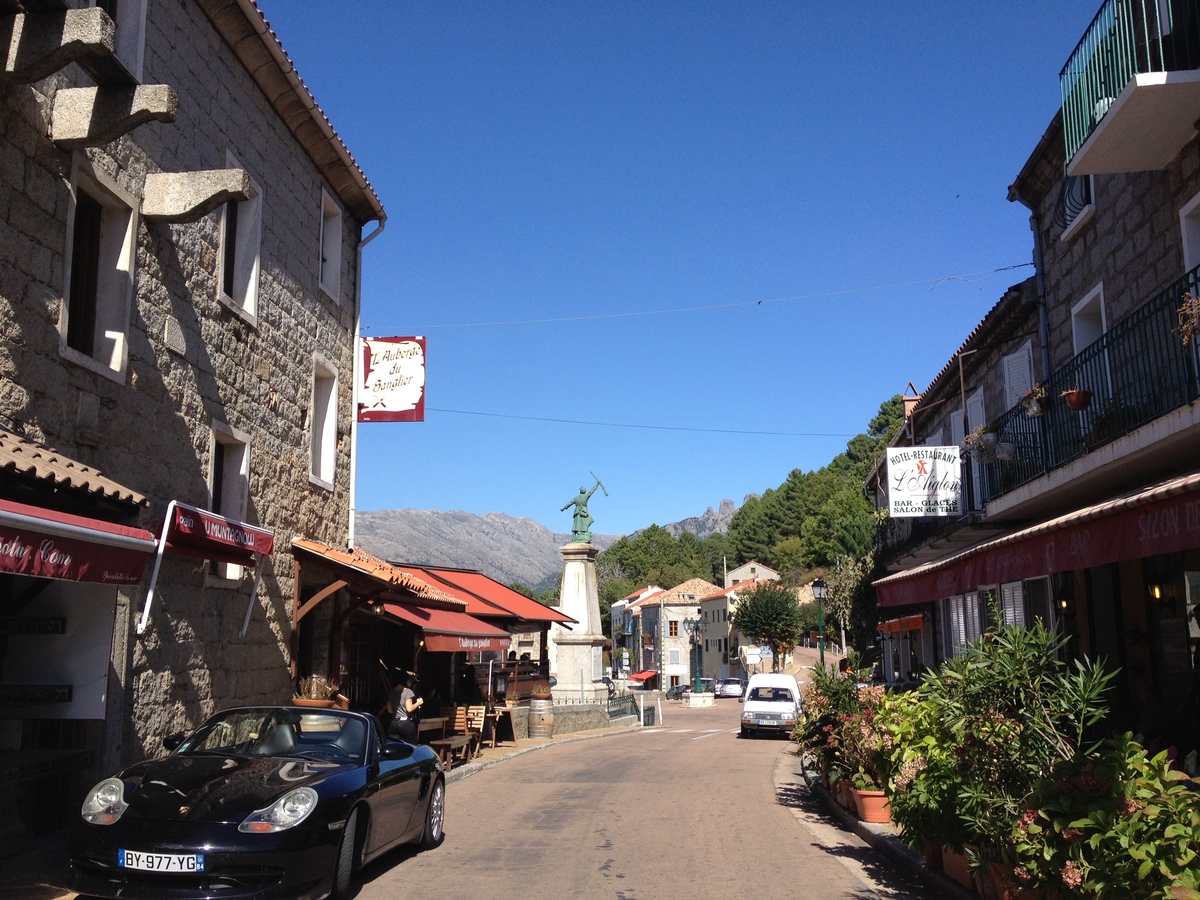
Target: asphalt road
x,y
685,810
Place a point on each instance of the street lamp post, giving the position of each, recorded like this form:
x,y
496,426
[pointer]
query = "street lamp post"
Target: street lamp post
x,y
819,590
694,628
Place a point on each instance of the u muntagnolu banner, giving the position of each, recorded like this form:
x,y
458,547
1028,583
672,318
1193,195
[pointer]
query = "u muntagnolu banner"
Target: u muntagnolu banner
x,y
924,481
393,387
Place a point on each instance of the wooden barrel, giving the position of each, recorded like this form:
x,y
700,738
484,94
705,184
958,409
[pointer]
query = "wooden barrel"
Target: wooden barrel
x,y
541,718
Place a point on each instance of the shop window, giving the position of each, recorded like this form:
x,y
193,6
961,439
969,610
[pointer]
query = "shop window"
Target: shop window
x,y
323,425
331,246
238,261
229,484
98,289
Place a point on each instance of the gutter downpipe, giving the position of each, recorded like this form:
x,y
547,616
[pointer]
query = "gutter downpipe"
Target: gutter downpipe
x,y
357,369
1039,279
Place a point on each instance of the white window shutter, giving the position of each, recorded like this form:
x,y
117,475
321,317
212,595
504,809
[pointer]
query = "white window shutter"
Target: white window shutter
x,y
1018,374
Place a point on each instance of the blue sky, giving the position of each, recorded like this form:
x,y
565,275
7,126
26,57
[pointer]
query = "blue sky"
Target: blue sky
x,y
687,246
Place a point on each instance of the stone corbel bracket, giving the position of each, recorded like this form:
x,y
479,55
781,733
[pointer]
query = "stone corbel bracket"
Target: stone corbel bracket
x,y
36,45
186,196
91,116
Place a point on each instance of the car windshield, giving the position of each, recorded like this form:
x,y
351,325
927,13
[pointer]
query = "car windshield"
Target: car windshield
x,y
771,694
320,735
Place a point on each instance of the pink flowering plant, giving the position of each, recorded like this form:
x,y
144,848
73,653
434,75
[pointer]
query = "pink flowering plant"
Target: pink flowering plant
x,y
830,700
1115,823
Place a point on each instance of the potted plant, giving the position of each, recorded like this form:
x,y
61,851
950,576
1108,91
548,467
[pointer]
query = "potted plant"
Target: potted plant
x,y
1032,401
315,690
541,690
1077,398
980,444
1114,419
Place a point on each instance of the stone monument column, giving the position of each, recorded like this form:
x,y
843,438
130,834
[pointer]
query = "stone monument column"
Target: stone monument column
x,y
580,651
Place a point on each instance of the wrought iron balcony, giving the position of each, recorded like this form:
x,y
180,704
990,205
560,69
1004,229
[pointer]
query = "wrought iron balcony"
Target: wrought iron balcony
x,y
1137,41
1140,370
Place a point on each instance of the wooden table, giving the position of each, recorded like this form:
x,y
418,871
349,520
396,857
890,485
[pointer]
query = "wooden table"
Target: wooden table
x,y
493,719
433,723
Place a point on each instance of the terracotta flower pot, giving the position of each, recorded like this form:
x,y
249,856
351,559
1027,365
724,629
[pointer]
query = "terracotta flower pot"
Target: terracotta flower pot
x,y
314,704
933,855
1078,400
956,866
872,806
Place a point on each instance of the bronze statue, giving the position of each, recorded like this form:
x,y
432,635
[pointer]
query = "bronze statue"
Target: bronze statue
x,y
582,523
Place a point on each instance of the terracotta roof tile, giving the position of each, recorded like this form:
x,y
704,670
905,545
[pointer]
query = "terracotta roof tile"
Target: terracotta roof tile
x,y
22,456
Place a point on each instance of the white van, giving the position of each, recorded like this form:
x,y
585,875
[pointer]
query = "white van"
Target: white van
x,y
772,704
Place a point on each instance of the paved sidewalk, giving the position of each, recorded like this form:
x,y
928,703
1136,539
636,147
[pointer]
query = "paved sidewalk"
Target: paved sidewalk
x,y
793,785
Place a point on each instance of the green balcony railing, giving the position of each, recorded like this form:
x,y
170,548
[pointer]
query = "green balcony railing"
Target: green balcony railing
x,y
1126,38
1137,372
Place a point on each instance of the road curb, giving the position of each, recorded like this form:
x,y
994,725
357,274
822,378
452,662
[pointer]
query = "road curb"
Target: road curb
x,y
880,838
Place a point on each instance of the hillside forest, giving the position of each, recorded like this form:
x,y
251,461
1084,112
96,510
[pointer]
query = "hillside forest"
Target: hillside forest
x,y
814,524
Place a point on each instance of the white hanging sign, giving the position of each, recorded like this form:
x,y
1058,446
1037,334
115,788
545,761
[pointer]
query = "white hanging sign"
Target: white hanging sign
x,y
924,481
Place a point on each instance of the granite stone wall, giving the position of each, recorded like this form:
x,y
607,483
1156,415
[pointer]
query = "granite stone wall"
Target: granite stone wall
x,y
192,361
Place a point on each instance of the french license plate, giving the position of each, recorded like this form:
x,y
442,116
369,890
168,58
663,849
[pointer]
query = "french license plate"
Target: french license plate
x,y
767,722
161,862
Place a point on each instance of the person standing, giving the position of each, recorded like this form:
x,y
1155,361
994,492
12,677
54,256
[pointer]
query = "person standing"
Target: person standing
x,y
404,703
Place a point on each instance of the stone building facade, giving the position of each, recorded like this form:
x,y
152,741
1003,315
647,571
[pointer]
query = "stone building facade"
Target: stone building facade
x,y
1088,518
181,236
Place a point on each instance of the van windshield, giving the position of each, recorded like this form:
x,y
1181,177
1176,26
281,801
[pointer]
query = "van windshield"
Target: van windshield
x,y
776,694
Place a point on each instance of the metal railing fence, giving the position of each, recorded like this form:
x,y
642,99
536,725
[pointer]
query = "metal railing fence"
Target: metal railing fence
x,y
1126,38
1137,371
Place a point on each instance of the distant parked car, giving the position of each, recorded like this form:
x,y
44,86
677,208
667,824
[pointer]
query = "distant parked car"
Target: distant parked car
x,y
730,687
706,685
676,691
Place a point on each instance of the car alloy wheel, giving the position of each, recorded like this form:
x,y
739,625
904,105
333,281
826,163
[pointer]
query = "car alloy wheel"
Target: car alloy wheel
x,y
435,816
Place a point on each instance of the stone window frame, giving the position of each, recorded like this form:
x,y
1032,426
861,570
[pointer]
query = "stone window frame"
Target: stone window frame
x,y
231,497
329,261
131,32
109,297
239,265
1189,233
322,423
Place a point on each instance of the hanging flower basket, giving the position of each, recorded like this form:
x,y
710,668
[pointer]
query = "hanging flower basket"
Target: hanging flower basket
x,y
1077,399
1006,451
980,445
1032,401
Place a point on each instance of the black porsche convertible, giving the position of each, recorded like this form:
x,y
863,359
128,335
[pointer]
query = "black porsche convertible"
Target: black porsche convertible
x,y
257,802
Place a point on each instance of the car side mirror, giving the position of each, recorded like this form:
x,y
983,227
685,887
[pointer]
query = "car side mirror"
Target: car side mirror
x,y
172,742
396,750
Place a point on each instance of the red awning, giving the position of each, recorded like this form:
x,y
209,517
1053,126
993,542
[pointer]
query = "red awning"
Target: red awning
x,y
1164,518
908,623
47,544
643,676
198,532
448,632
495,593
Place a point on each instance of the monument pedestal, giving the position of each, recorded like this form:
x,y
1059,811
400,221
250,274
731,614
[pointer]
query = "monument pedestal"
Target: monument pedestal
x,y
579,653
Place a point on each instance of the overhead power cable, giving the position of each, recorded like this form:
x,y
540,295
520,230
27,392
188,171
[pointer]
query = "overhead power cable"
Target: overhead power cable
x,y
931,282
471,412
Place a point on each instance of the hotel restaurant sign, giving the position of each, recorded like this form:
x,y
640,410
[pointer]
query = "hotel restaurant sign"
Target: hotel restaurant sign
x,y
924,481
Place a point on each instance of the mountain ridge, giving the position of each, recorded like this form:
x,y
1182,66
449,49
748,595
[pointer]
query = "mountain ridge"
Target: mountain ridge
x,y
506,548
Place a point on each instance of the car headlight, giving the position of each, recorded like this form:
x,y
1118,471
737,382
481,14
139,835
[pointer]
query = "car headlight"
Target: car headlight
x,y
287,812
105,802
